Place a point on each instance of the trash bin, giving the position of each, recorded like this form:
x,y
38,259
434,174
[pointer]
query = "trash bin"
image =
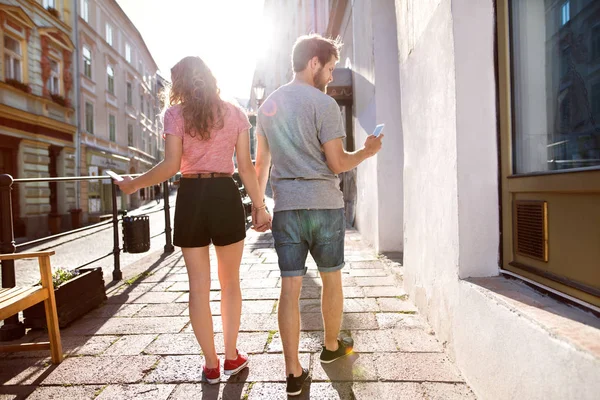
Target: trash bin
x,y
136,234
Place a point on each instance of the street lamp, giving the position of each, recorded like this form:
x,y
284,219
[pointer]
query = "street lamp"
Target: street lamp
x,y
259,93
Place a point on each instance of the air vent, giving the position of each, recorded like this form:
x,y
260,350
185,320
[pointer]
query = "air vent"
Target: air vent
x,y
532,229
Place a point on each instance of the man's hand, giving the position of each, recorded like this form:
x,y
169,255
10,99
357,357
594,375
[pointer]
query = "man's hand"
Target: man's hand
x,y
127,185
373,144
261,220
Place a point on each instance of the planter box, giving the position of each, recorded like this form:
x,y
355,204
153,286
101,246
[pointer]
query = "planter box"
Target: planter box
x,y
74,298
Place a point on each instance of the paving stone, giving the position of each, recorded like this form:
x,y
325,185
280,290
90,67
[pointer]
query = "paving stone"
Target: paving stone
x,y
352,368
128,326
416,340
130,345
388,390
433,367
367,265
155,298
64,393
355,321
376,281
368,272
114,310
23,371
448,391
101,370
374,341
268,367
310,292
391,304
259,274
217,325
179,287
384,291
176,278
248,307
16,392
260,294
397,320
162,310
249,342
354,305
224,391
258,322
266,283
174,344
311,322
310,342
310,390
265,267
353,292
143,287
177,369
72,345
138,392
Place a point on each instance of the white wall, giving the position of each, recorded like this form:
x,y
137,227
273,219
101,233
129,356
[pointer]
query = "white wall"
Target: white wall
x,y
377,100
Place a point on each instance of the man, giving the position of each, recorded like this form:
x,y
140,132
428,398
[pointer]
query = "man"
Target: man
x,y
300,129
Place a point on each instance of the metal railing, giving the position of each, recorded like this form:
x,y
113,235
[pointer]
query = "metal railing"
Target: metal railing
x,y
12,328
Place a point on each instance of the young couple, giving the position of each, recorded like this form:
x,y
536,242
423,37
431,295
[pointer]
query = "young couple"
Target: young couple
x,y
300,133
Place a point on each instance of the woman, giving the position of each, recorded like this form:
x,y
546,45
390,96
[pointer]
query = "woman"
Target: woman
x,y
202,132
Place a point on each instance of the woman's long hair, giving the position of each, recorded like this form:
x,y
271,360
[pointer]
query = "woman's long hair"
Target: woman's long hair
x,y
195,88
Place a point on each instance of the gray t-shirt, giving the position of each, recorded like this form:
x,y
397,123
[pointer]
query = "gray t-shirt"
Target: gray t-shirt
x,y
297,120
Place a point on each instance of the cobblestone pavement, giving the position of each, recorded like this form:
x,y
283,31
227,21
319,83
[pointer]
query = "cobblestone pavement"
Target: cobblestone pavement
x,y
140,344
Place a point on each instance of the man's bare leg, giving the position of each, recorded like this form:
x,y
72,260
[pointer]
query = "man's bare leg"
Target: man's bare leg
x,y
289,323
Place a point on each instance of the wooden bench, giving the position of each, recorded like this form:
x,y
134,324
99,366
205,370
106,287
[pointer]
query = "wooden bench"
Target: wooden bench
x,y
13,300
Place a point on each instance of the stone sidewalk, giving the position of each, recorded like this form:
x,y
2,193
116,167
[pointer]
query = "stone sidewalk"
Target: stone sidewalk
x,y
140,344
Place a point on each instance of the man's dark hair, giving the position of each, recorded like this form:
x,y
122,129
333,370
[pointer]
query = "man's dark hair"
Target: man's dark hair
x,y
314,45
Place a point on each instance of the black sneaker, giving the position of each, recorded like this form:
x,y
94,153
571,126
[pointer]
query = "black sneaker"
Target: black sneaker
x,y
344,348
294,383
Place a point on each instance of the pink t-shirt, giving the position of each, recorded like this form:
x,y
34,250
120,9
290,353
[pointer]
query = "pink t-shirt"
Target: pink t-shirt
x,y
214,154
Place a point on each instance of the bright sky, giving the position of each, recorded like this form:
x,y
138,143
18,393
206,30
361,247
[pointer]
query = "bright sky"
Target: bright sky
x,y
226,34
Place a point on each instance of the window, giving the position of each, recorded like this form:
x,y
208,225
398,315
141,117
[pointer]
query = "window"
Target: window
x,y
143,141
87,62
129,94
49,4
148,108
142,104
89,117
596,43
112,128
12,59
109,34
565,12
110,72
128,53
54,80
130,135
85,10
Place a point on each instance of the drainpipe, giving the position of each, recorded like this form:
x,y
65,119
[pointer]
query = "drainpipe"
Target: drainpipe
x,y
76,103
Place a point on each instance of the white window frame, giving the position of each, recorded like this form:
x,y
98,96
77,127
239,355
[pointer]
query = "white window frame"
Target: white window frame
x,y
54,81
12,56
110,79
128,53
87,63
49,4
85,10
109,34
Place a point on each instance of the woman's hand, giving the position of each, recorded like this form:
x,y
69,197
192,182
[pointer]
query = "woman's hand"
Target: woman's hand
x,y
261,219
127,185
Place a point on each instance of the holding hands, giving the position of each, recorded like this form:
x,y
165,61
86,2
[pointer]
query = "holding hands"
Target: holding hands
x,y
261,219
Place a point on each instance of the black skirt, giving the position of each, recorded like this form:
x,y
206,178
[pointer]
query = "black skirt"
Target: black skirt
x,y
208,210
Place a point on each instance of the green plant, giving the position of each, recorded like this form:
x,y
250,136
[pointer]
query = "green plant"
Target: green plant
x,y
60,276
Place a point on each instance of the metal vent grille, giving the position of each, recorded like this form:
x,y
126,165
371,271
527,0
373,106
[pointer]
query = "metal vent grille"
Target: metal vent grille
x,y
532,229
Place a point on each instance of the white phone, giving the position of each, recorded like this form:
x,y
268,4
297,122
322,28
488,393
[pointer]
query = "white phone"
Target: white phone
x,y
114,175
378,130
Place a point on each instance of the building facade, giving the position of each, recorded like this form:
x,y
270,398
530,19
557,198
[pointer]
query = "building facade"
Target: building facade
x,y
37,115
118,104
488,178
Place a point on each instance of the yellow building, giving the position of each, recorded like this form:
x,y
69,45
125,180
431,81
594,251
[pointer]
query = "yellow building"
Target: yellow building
x,y
37,120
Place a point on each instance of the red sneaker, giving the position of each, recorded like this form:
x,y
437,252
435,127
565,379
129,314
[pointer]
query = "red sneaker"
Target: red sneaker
x,y
212,375
232,367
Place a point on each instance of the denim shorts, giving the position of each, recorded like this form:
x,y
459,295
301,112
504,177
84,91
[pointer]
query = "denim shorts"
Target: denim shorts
x,y
322,232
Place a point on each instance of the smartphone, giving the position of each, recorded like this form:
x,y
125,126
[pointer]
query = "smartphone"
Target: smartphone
x,y
378,130
114,175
